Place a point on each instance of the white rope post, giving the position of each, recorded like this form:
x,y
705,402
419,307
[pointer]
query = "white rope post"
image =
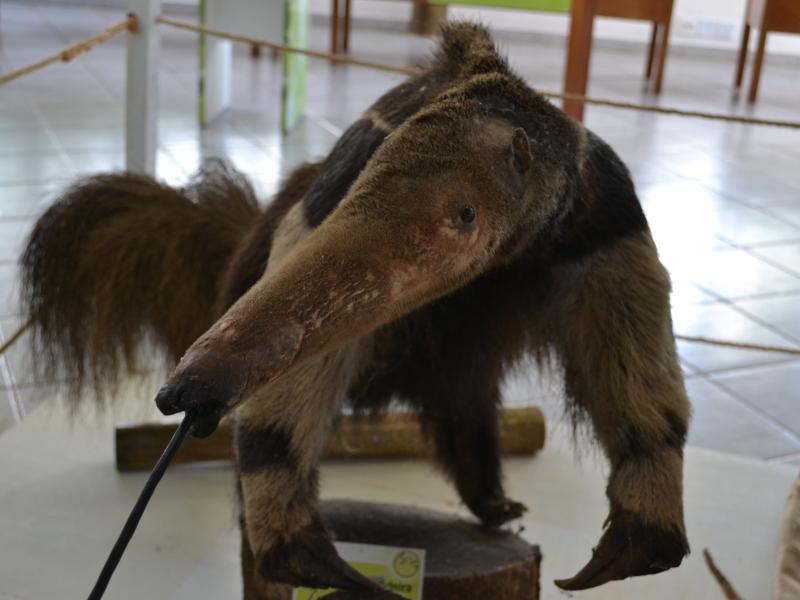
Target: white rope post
x,y
141,96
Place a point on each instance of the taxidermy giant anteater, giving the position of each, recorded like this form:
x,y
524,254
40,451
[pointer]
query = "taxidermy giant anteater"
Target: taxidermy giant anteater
x,y
461,224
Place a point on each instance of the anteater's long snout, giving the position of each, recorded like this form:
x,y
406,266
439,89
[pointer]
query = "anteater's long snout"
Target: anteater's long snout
x,y
330,291
212,376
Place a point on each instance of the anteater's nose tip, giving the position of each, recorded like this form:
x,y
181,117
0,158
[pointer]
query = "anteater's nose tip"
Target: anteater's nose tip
x,y
167,400
203,405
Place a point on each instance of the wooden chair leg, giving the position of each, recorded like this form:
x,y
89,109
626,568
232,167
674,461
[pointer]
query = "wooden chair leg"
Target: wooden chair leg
x,y
742,59
651,52
578,54
346,33
662,56
757,64
334,26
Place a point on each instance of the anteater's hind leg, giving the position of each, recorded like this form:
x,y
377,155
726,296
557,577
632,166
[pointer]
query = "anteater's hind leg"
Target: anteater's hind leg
x,y
463,418
468,448
279,436
614,333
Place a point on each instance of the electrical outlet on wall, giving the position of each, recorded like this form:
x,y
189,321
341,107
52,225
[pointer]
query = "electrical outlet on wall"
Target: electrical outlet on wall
x,y
706,28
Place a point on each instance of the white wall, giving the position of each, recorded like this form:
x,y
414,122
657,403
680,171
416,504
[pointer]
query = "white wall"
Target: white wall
x,y
696,23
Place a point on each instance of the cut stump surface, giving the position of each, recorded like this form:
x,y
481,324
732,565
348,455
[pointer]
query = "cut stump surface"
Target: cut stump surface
x,y
462,559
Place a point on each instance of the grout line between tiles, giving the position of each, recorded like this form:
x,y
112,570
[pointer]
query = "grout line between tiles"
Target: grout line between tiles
x,y
764,296
328,126
737,368
783,458
793,435
731,302
773,263
17,410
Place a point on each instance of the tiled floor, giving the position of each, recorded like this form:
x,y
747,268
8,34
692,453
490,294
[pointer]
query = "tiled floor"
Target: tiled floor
x,y
723,200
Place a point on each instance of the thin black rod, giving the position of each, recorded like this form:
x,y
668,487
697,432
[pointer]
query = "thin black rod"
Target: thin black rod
x,y
138,509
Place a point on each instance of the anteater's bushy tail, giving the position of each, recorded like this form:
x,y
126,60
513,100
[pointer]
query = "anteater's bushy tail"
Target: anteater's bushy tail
x,y
121,259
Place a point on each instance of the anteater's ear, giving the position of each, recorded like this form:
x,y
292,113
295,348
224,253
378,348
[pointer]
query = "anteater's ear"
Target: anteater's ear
x,y
520,151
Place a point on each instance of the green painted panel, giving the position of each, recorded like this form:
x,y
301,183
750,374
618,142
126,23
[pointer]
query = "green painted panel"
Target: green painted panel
x,y
293,96
540,5
201,65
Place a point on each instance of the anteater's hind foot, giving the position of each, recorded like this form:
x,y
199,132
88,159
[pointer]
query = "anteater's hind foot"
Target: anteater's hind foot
x,y
629,547
494,512
309,559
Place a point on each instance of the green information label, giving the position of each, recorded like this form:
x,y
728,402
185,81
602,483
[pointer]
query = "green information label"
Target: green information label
x,y
401,570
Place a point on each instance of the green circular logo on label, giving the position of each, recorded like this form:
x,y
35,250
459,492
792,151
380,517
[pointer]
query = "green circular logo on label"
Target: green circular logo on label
x,y
406,564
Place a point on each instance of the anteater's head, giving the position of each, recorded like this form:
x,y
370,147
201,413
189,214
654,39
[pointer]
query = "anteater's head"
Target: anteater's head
x,y
466,185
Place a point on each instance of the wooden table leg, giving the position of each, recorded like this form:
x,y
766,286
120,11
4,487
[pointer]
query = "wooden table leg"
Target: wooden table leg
x,y
742,56
578,54
759,61
662,56
651,52
346,32
334,26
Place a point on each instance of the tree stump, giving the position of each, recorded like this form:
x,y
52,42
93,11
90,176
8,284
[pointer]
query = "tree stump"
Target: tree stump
x,y
462,559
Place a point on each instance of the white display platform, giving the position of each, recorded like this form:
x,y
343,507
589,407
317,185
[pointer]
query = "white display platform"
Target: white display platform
x,y
62,504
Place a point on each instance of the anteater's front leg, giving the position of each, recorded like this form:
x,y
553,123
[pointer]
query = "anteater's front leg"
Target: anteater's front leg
x,y
614,333
279,435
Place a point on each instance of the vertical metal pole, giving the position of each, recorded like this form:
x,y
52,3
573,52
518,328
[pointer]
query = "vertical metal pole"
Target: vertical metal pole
x,y
219,69
141,96
218,57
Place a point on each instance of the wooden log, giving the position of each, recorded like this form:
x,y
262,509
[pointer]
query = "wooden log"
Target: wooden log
x,y
395,435
462,559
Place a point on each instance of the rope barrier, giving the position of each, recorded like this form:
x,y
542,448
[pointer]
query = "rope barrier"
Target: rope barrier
x,y
16,335
67,54
678,112
410,71
337,58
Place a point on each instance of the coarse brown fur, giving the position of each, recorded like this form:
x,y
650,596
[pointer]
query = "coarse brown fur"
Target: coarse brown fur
x,y
461,225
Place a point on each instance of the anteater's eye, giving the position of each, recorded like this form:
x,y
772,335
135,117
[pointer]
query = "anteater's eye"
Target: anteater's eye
x,y
467,214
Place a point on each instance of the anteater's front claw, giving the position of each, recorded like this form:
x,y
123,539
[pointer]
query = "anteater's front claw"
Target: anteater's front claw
x,y
309,559
629,547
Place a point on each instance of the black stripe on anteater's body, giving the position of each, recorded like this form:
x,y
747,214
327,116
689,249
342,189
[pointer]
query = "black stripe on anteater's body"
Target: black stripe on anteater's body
x,y
462,224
